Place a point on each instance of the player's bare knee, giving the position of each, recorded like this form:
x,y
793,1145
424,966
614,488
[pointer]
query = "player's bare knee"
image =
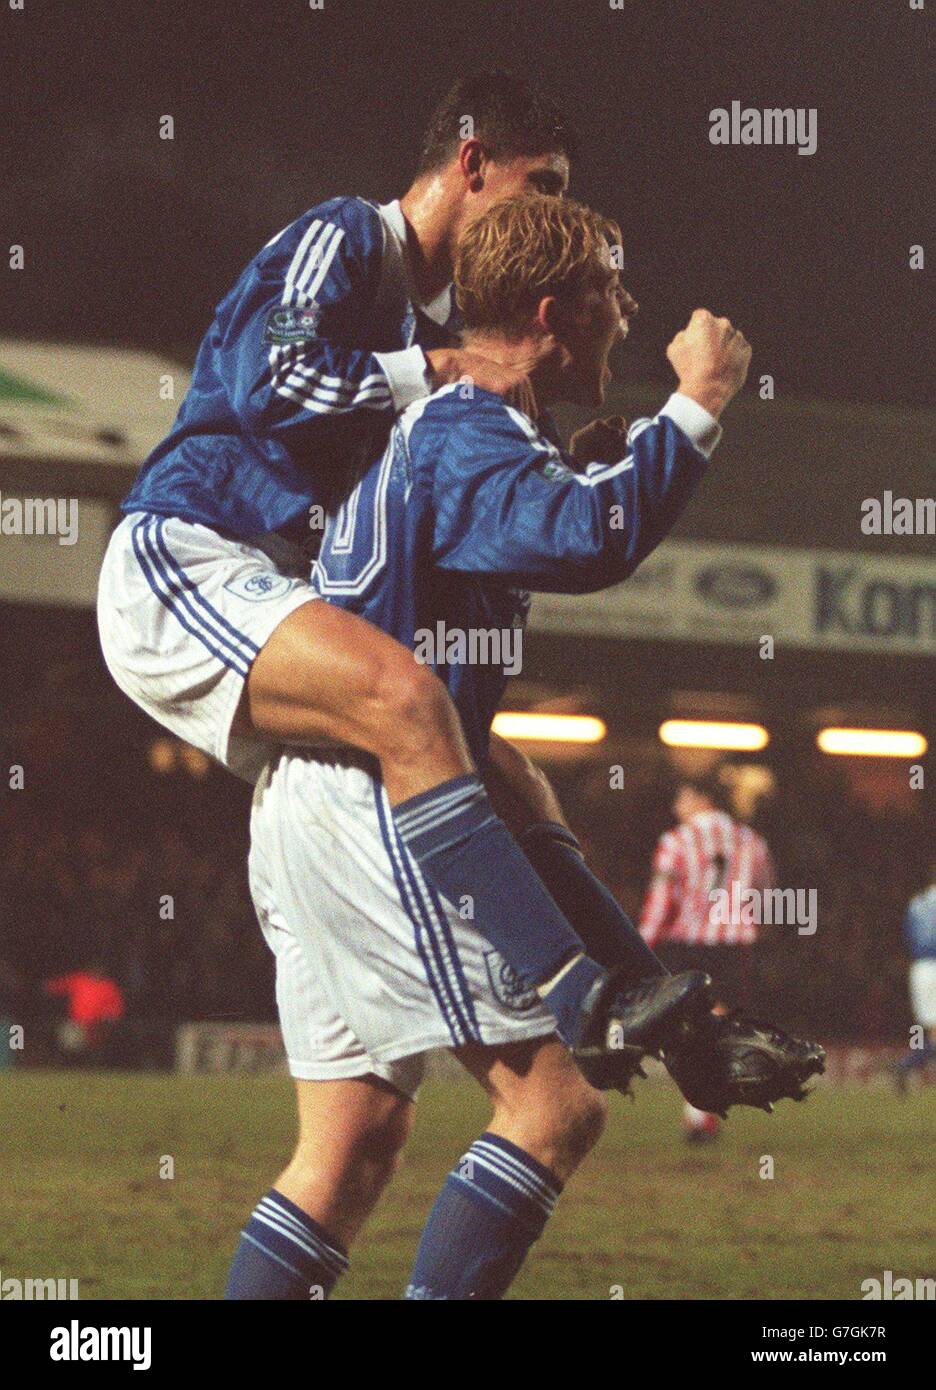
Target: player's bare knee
x,y
564,1124
415,709
378,1144
362,1156
581,1124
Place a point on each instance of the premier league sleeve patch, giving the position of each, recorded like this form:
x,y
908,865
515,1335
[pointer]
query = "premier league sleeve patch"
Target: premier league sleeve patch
x,y
554,470
291,324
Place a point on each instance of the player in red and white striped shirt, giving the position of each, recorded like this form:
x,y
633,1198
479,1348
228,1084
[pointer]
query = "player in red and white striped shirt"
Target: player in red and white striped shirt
x,y
693,911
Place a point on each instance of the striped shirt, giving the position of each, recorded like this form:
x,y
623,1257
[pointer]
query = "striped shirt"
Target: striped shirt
x,y
310,357
700,871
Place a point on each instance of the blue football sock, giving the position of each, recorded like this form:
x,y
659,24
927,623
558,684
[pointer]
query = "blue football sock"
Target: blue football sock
x,y
609,935
465,850
917,1057
284,1254
493,1206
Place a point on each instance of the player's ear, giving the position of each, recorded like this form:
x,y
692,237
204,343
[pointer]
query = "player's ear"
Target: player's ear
x,y
471,161
549,315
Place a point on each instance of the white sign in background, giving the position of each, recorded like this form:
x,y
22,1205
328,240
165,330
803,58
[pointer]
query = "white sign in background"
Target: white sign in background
x,y
696,591
689,591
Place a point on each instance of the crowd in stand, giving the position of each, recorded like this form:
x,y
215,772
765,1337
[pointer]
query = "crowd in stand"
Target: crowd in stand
x,y
140,874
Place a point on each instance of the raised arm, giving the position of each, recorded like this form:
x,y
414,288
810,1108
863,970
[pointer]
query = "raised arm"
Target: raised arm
x,y
508,503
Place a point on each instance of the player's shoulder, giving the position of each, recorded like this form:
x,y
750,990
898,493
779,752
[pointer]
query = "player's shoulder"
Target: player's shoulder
x,y
352,223
472,424
456,403
352,214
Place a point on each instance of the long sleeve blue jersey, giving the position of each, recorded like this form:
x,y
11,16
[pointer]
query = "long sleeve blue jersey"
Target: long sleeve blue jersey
x,y
308,360
470,507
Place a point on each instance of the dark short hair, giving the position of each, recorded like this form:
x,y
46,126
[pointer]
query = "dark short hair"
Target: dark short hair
x,y
711,786
508,116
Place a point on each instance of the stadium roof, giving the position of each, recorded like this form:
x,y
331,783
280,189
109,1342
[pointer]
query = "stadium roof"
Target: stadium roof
x,y
82,418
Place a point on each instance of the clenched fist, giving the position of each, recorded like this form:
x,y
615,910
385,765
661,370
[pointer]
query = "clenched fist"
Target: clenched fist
x,y
603,441
711,359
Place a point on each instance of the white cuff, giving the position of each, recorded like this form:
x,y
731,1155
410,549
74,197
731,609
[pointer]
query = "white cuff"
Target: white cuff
x,y
407,372
695,421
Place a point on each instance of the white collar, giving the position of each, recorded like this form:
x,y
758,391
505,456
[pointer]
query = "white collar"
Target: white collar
x,y
438,309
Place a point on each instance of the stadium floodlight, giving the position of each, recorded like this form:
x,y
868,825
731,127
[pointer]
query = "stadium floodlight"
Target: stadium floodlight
x,y
872,743
713,733
550,728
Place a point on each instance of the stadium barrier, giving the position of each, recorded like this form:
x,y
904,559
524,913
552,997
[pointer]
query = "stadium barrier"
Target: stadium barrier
x,y
247,1047
229,1047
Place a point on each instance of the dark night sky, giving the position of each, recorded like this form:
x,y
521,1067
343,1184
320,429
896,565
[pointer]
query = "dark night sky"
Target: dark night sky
x,y
130,239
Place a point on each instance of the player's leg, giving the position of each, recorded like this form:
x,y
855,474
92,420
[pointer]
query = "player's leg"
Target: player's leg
x,y
189,618
354,1112
496,1201
523,795
350,1136
295,1244
326,672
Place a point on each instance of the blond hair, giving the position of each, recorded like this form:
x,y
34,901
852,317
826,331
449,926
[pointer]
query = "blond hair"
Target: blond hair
x,y
521,250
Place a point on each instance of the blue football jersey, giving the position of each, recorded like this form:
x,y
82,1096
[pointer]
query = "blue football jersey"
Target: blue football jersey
x,y
309,358
470,507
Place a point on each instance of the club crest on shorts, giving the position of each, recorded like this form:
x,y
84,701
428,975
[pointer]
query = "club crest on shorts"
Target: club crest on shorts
x,y
291,324
259,587
508,985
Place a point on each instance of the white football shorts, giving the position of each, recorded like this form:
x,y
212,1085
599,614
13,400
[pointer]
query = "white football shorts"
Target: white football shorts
x,y
373,969
923,992
182,612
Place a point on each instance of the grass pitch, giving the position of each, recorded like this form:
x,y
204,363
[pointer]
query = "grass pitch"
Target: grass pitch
x,y
851,1196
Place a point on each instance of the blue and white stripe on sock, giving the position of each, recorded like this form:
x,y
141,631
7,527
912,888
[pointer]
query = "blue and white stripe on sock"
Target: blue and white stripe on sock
x,y
493,1206
460,804
498,1172
284,1255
